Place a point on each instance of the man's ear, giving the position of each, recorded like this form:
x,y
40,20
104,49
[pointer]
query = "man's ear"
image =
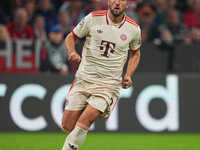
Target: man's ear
x,y
108,3
128,1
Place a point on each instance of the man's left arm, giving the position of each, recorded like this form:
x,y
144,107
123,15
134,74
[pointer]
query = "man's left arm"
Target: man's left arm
x,y
132,65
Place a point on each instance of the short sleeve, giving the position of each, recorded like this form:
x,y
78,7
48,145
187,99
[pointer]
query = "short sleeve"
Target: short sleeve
x,y
137,40
82,29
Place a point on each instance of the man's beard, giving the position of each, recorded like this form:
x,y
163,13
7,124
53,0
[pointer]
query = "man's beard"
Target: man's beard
x,y
114,14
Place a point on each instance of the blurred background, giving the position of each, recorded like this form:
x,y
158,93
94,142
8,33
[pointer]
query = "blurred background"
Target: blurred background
x,y
170,33
35,74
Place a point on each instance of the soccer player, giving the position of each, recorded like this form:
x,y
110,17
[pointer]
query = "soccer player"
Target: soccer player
x,y
110,34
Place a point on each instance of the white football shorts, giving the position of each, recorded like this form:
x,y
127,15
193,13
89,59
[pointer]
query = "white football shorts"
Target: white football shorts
x,y
100,96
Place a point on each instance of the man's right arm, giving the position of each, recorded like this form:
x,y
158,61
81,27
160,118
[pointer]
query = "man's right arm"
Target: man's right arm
x,y
70,41
80,31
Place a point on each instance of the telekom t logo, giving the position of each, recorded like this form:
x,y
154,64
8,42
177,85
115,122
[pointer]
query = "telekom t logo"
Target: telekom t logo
x,y
106,46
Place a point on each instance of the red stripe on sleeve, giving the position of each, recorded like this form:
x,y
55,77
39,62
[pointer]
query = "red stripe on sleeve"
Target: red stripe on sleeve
x,y
76,36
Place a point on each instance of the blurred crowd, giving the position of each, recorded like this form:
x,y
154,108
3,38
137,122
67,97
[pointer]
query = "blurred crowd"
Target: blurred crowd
x,y
163,22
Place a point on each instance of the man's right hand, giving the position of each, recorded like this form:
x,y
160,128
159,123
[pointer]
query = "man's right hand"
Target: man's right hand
x,y
74,57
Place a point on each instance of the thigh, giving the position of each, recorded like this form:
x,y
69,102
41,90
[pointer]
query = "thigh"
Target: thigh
x,y
69,119
104,101
89,115
76,98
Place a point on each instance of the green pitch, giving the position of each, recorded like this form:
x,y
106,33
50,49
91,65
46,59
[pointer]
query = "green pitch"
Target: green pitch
x,y
101,141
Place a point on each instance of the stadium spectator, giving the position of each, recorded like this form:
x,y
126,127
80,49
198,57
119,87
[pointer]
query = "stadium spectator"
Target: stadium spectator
x,y
16,4
173,30
63,21
46,9
131,11
162,7
164,4
4,35
94,5
191,17
171,4
195,36
56,51
30,7
161,11
159,4
146,16
57,3
39,29
75,9
19,29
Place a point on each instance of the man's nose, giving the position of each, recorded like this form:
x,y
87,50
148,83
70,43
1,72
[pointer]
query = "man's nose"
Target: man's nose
x,y
117,2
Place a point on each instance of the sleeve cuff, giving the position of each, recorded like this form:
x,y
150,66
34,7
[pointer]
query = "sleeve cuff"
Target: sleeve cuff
x,y
136,48
76,36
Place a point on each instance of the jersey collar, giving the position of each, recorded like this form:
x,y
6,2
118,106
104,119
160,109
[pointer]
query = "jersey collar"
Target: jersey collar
x,y
109,22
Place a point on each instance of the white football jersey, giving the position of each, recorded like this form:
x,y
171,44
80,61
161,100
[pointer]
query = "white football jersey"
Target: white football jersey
x,y
106,47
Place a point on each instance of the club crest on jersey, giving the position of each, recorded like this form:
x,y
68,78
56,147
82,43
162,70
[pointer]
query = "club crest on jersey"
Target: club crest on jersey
x,y
99,31
123,37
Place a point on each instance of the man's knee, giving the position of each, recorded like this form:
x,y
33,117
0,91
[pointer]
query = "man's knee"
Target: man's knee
x,y
86,120
69,120
89,115
66,128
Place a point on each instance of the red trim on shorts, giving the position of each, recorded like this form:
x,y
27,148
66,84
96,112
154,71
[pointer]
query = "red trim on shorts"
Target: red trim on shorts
x,y
76,36
70,89
82,126
72,85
